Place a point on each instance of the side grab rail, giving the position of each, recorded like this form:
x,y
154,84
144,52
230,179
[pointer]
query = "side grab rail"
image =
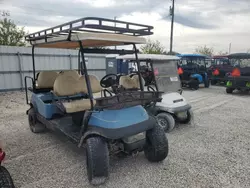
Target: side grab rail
x,y
26,88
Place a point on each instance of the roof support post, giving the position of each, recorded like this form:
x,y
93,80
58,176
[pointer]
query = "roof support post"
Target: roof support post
x,y
85,71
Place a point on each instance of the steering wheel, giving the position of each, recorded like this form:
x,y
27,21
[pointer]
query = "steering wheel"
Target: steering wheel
x,y
108,81
150,88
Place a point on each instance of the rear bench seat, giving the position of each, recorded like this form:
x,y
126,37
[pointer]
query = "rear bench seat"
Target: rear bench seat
x,y
69,85
45,79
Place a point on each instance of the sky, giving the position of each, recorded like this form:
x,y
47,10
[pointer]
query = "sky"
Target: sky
x,y
214,23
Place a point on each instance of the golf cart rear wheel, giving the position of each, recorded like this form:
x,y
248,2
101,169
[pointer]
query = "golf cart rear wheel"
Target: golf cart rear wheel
x,y
166,121
206,83
35,125
97,160
229,90
5,178
156,147
213,82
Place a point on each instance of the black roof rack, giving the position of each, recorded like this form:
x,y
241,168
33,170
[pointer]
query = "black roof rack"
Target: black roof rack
x,y
101,25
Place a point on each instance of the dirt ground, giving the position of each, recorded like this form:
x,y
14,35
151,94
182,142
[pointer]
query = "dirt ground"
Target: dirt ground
x,y
212,152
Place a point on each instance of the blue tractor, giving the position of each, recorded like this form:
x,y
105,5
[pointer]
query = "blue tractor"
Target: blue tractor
x,y
73,103
192,69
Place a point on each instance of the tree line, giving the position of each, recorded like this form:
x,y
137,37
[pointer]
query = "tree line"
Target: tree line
x,y
12,35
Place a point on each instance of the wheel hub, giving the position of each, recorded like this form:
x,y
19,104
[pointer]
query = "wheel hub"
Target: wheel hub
x,y
163,122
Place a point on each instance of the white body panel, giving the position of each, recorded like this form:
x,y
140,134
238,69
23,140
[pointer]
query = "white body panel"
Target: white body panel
x,y
168,98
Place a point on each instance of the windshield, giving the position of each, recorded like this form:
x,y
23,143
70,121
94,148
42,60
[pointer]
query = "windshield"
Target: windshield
x,y
240,62
145,66
221,61
192,61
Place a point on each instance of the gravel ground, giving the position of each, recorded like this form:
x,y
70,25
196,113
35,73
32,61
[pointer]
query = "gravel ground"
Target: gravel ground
x,y
212,152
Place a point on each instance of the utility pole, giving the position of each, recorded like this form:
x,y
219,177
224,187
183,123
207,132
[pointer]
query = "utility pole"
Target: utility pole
x,y
115,27
171,13
229,49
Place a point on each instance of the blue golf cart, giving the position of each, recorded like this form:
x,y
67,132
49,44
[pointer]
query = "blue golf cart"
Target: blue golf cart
x,y
73,102
192,69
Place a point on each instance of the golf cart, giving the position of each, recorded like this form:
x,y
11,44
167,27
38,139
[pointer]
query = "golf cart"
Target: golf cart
x,y
192,69
73,104
159,73
219,69
5,177
239,78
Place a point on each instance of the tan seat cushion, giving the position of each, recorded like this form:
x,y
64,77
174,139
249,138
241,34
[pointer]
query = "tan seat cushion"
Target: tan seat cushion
x,y
72,73
68,85
137,81
46,79
128,83
97,95
94,82
78,105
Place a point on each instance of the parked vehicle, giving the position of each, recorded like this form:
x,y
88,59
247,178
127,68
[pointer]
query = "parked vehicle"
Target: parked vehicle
x,y
73,103
6,180
159,73
239,78
219,69
192,70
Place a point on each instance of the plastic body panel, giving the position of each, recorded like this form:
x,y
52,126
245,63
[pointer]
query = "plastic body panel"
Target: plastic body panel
x,y
42,102
113,119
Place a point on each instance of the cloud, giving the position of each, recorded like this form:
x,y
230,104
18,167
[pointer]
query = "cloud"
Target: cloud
x,y
214,23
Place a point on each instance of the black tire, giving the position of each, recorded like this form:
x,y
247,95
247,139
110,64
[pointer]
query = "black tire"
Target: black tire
x,y
213,82
189,117
5,178
194,84
97,160
156,147
229,90
34,124
166,121
206,83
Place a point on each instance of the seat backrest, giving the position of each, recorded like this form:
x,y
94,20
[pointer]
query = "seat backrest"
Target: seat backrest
x,y
137,80
68,85
94,83
46,79
128,83
72,73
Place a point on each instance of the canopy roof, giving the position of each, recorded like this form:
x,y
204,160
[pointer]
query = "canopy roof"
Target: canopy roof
x,y
193,55
96,34
148,57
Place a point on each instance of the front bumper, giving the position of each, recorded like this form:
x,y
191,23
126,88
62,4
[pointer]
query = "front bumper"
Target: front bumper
x,y
235,83
175,110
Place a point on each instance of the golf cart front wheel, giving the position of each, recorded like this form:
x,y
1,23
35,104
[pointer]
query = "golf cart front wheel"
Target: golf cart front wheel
x,y
97,160
189,117
166,121
156,147
34,124
5,178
